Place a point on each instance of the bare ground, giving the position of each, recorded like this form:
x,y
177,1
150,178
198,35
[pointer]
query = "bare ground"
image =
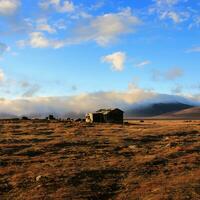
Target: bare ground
x,y
73,161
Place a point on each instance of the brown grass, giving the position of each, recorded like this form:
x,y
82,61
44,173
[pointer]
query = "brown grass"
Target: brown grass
x,y
61,160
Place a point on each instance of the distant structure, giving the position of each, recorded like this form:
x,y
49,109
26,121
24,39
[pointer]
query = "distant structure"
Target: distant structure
x,y
50,117
105,116
25,118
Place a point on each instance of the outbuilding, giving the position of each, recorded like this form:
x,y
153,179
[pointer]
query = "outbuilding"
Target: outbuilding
x,y
106,116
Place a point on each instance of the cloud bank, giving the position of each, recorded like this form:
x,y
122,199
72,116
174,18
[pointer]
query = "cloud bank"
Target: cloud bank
x,y
87,102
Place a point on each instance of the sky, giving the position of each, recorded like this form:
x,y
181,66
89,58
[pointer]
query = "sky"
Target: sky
x,y
78,55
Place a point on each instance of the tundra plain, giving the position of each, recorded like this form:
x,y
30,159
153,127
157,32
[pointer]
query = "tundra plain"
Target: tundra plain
x,y
140,160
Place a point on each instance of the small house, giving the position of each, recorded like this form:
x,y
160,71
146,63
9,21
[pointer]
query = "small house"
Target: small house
x,y
105,116
50,117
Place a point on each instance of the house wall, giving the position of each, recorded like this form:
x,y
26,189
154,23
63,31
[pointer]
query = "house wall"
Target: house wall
x,y
115,116
89,118
98,117
94,117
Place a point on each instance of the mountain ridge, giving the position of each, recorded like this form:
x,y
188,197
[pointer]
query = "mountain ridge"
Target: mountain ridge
x,y
156,109
190,113
160,110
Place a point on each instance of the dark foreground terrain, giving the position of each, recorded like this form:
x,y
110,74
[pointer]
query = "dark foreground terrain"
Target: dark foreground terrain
x,y
61,160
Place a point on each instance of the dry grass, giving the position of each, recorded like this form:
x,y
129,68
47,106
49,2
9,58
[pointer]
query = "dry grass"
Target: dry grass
x,y
60,160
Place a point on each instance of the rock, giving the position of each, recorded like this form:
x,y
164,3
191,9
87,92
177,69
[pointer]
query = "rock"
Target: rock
x,y
168,145
25,118
78,120
132,147
166,138
38,178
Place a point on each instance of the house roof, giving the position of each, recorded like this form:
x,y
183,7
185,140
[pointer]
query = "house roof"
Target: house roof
x,y
106,111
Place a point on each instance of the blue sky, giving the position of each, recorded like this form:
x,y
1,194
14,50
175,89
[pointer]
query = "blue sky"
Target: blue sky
x,y
57,48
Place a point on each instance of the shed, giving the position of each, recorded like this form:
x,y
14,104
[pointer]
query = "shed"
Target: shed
x,y
106,116
50,117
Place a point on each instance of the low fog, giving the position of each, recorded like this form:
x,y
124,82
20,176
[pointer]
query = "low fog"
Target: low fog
x,y
88,102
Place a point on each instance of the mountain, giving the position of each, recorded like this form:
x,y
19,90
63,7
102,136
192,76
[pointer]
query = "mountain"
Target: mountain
x,y
7,116
162,110
156,109
191,113
66,115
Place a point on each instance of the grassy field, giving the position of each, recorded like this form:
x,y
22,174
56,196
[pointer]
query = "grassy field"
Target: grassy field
x,y
147,160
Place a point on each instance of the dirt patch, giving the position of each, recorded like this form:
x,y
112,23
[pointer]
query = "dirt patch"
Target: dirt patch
x,y
94,179
30,153
59,160
10,150
153,167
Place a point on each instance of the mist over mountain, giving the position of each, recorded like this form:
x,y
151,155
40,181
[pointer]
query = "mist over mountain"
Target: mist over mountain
x,y
135,103
7,116
71,115
156,109
139,110
190,113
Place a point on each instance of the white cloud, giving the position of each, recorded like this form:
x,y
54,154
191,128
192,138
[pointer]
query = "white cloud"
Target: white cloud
x,y
8,7
60,24
177,89
175,16
86,102
168,9
117,60
66,7
80,103
195,22
171,15
106,28
38,40
97,5
3,48
166,2
169,75
194,49
42,25
2,75
62,7
174,73
143,63
31,91
103,29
